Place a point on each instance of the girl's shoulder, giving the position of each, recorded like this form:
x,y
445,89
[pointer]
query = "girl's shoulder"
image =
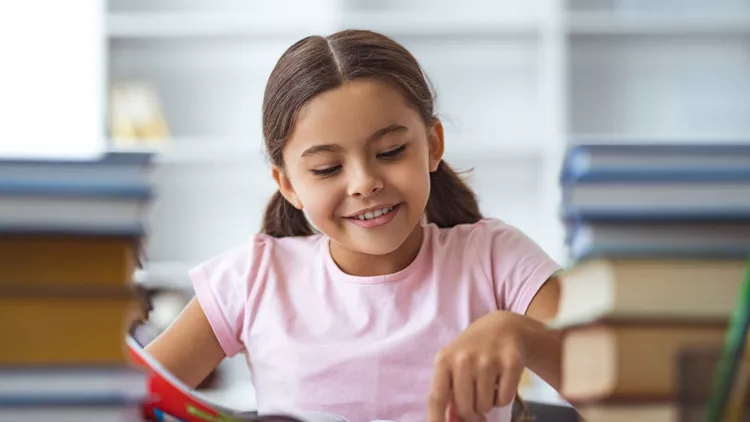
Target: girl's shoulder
x,y
265,247
515,266
501,250
485,233
251,261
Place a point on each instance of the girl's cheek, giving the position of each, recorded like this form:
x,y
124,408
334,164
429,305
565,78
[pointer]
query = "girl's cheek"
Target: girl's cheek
x,y
320,202
412,178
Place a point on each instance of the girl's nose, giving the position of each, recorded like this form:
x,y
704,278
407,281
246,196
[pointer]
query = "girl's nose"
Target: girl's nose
x,y
365,184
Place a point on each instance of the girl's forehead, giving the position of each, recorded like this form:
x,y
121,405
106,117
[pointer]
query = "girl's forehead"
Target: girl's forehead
x,y
351,113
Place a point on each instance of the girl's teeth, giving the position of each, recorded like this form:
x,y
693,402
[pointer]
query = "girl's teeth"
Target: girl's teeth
x,y
369,215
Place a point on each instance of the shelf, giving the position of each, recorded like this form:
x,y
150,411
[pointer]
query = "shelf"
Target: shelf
x,y
441,24
137,25
637,139
210,150
217,150
194,25
598,23
531,152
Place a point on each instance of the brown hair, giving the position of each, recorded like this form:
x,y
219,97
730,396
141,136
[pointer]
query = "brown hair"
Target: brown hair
x,y
317,64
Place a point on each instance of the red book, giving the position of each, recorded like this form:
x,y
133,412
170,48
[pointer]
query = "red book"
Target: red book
x,y
171,400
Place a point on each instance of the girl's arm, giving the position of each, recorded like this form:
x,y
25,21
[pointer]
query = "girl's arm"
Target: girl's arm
x,y
544,345
188,348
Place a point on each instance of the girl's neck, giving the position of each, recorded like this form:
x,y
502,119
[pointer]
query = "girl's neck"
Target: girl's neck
x,y
365,265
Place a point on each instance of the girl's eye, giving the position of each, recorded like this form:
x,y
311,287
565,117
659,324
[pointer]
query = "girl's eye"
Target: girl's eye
x,y
392,153
326,172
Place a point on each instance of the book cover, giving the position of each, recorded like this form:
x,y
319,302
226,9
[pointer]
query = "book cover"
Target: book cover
x,y
650,162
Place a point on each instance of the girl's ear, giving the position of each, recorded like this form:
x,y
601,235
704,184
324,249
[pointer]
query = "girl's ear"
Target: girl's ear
x,y
436,143
285,187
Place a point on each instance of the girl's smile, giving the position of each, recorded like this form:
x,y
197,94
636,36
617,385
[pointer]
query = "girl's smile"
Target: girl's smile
x,y
374,216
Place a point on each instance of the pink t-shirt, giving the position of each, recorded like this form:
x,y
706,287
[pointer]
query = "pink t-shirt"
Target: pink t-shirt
x,y
318,339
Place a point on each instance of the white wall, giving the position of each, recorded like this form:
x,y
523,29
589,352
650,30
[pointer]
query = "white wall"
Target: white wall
x,y
52,88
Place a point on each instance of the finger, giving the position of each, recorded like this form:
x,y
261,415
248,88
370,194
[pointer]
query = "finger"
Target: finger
x,y
439,394
509,379
463,387
486,382
452,416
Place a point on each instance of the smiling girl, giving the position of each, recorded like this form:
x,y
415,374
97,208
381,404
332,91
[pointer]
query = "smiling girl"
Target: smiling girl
x,y
404,303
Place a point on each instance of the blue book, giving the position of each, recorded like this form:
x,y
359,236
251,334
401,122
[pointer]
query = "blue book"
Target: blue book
x,y
671,239
699,214
656,182
656,162
114,168
60,207
657,202
105,196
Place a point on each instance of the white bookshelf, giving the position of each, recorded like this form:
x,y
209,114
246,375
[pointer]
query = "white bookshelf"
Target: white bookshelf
x,y
644,24
197,25
642,72
459,23
206,150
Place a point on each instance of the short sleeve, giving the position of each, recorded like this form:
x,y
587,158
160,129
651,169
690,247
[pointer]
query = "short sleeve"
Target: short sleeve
x,y
515,264
223,285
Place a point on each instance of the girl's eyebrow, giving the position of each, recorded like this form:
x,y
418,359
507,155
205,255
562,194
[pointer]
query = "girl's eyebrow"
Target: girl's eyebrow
x,y
317,149
385,131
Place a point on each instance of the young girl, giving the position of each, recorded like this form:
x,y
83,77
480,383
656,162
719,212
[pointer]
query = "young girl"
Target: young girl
x,y
403,303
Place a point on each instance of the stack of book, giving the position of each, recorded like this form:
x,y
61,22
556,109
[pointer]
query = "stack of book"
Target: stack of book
x,y
70,240
659,238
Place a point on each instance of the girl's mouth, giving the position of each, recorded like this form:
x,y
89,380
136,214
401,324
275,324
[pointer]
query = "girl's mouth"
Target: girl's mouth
x,y
375,218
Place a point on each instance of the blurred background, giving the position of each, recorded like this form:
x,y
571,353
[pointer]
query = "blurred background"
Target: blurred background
x,y
496,70
517,81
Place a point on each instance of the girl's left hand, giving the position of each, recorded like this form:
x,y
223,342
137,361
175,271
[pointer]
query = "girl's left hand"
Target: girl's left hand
x,y
480,369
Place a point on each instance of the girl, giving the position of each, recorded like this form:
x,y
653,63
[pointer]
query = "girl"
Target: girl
x,y
403,303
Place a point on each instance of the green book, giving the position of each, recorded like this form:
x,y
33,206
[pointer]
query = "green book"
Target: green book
x,y
732,353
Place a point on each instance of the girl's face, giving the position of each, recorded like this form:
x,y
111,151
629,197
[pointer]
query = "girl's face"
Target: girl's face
x,y
358,163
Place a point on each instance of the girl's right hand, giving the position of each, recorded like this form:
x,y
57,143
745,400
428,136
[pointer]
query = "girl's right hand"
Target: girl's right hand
x,y
188,348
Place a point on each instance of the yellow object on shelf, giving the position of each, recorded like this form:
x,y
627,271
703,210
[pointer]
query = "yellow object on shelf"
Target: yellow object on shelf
x,y
136,117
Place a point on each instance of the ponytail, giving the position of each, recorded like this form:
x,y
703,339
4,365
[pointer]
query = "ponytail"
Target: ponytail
x,y
451,201
282,219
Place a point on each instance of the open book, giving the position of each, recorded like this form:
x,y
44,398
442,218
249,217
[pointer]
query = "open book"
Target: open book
x,y
170,400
